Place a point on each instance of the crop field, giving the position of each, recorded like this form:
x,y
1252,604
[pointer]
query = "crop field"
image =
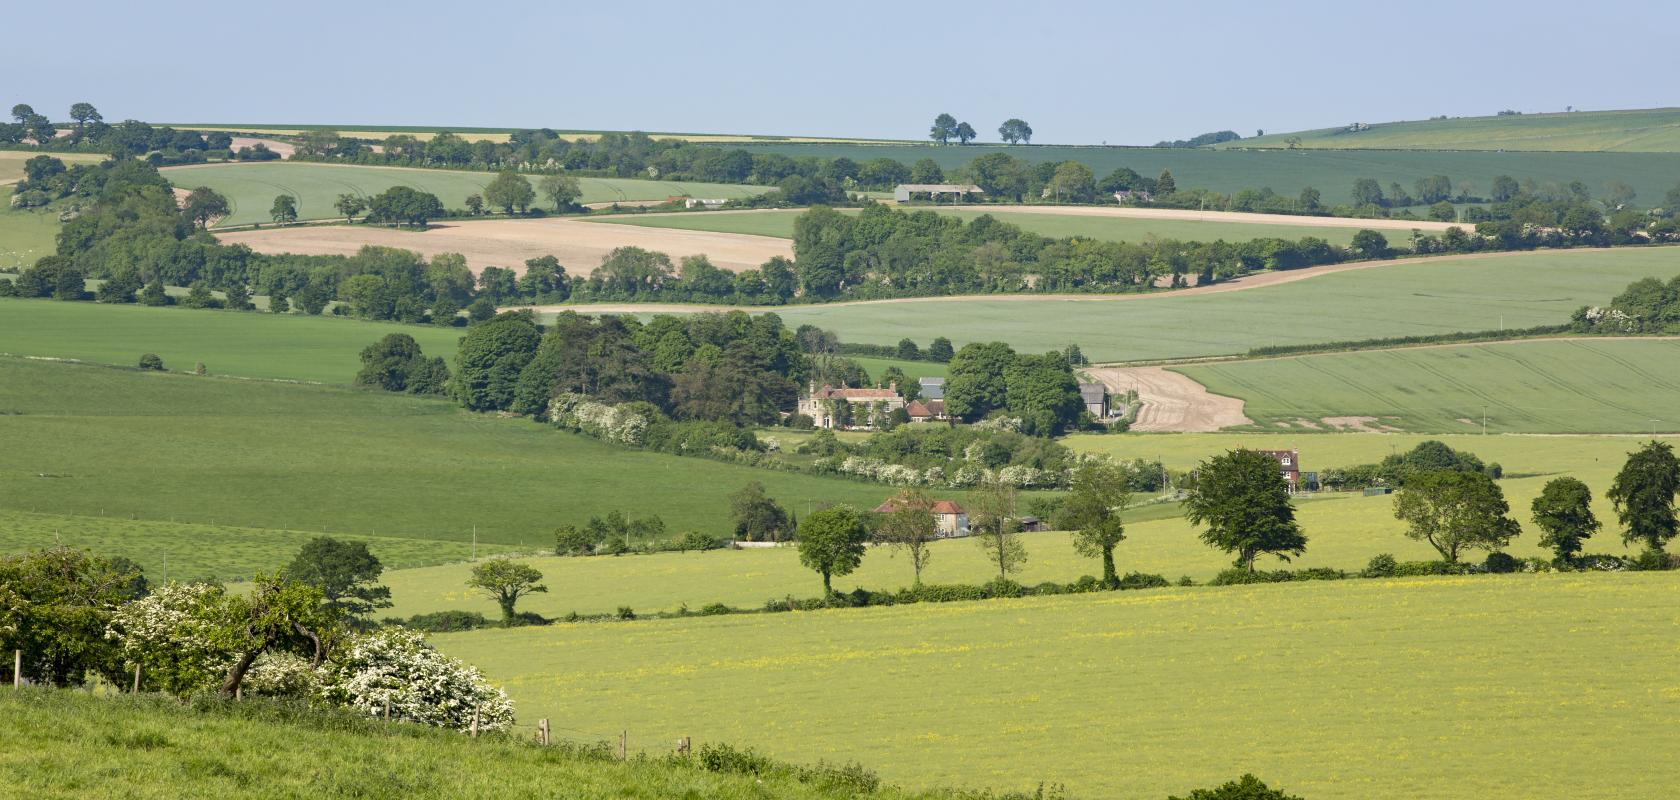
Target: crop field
x,y
1344,530
914,369
1117,229
1399,299
1573,386
1643,131
188,551
251,188
83,440
426,133
1430,688
1332,172
11,162
25,236
248,345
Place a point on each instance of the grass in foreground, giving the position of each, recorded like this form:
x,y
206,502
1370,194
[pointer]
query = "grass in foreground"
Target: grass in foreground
x,y
66,744
251,188
1574,386
81,438
1114,229
1423,688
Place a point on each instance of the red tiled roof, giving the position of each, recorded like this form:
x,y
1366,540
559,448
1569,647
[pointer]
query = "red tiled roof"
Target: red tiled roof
x,y
947,507
916,409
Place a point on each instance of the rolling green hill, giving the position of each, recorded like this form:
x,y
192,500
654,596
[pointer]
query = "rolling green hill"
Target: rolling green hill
x,y
1569,386
251,188
1654,130
1435,689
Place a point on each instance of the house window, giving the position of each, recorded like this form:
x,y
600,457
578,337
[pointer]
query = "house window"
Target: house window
x,y
1286,461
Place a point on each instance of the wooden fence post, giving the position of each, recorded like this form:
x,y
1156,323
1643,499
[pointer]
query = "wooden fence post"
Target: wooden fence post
x,y
136,678
17,670
623,745
475,721
683,746
542,731
387,706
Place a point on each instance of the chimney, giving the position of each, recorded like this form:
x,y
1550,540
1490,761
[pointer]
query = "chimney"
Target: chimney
x,y
893,387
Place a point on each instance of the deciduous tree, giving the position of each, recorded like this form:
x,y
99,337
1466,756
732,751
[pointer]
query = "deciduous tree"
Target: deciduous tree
x,y
561,190
910,526
943,131
1242,501
510,190
284,211
505,581
991,519
1097,497
1643,495
345,572
1454,511
1015,131
831,542
758,518
1564,512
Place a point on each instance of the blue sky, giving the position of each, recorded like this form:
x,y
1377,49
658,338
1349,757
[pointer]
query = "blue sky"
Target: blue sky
x,y
1085,73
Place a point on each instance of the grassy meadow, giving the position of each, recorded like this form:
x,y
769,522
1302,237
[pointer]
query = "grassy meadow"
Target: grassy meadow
x,y
1653,130
1344,530
1116,229
1332,172
1544,386
85,440
251,188
11,162
1433,689
59,745
1399,299
249,345
26,236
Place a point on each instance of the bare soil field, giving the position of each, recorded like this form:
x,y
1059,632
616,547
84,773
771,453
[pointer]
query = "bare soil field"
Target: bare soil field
x,y
285,149
1172,403
509,243
1225,216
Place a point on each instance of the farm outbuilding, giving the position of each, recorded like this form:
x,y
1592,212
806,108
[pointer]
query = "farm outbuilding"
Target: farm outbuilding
x,y
904,191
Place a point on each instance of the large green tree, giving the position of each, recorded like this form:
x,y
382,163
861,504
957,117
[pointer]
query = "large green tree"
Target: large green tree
x,y
505,581
1643,495
831,542
561,190
285,210
55,605
492,355
976,383
991,520
1242,501
1015,131
510,190
204,204
345,572
1563,511
943,131
1042,392
276,615
1454,511
909,525
1097,497
758,517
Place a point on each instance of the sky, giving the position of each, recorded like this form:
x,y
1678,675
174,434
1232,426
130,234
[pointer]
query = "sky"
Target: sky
x,y
1078,72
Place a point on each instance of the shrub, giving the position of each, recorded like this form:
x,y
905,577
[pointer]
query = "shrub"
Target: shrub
x,y
1500,563
444,621
625,612
722,757
1142,580
715,609
695,540
1407,569
854,779
1381,565
151,361
1186,580
1650,560
1001,587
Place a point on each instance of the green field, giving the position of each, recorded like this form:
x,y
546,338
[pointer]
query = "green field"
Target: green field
x,y
1655,130
780,224
68,745
84,440
188,551
1332,172
25,236
11,162
251,188
248,345
914,369
1400,299
1574,386
1422,688
1344,531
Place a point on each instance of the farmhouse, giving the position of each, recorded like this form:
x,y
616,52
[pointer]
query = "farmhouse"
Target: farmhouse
x,y
926,410
846,408
904,191
949,519
1290,462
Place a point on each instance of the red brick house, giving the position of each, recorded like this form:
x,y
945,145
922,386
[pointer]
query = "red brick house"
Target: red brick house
x,y
1289,461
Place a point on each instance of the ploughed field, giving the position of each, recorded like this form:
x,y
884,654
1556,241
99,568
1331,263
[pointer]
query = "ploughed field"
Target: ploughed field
x,y
1423,688
252,187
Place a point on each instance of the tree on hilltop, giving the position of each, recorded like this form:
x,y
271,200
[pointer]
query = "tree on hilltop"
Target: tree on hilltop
x,y
943,131
965,133
1015,131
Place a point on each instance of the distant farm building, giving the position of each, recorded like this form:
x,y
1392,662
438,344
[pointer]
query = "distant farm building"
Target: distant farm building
x,y
1289,461
692,202
1095,398
949,519
926,410
932,388
905,191
850,409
